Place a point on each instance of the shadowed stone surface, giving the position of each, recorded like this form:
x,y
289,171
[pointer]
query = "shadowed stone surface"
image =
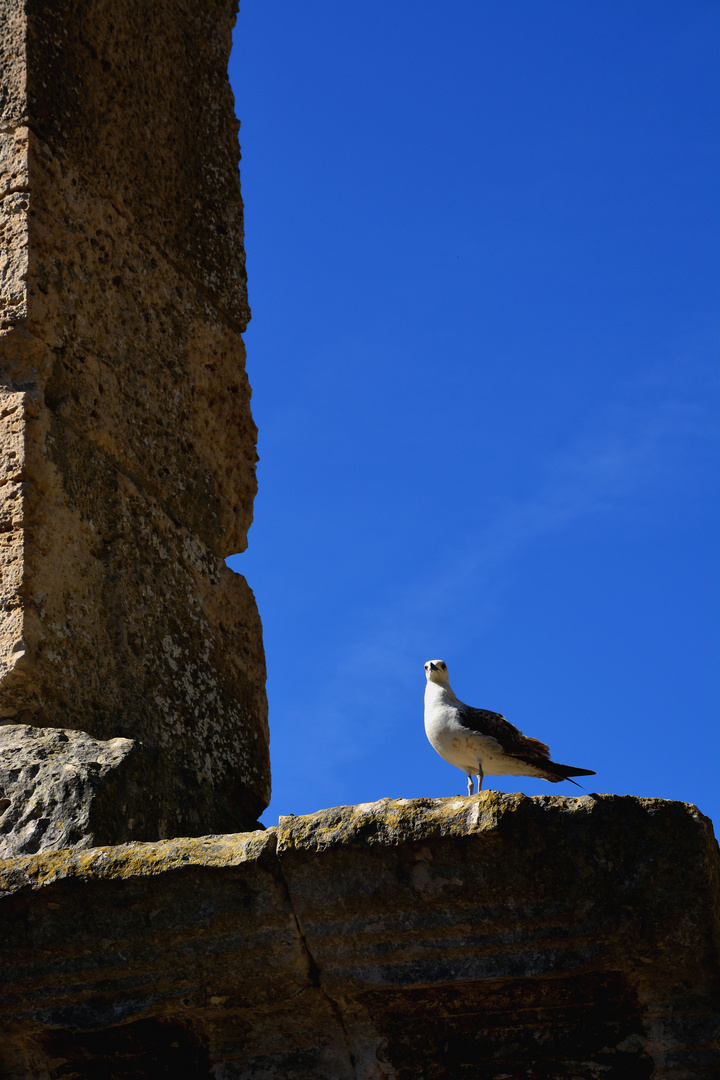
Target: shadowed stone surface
x,y
128,446
491,937
64,789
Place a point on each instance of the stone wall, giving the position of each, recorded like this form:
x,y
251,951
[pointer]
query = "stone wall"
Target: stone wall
x,y
128,446
490,938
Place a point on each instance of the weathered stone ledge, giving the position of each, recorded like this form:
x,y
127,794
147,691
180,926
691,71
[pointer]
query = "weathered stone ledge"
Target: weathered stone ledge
x,y
497,935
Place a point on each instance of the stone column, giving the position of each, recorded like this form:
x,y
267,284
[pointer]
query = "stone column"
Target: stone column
x,y
128,445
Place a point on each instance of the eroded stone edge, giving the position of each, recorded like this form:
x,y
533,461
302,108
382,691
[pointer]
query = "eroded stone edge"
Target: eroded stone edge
x,y
386,822
132,860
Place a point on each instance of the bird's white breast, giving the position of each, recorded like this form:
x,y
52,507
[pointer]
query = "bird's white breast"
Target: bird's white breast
x,y
450,738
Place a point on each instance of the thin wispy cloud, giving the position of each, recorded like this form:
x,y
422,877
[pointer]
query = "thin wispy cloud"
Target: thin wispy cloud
x,y
628,462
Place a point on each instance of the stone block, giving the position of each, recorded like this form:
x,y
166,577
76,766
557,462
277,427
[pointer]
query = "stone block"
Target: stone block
x,y
125,425
495,936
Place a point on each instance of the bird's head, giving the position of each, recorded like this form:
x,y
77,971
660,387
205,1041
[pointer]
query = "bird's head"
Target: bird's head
x,y
436,671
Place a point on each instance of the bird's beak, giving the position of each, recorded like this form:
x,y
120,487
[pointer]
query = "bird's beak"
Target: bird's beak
x,y
433,668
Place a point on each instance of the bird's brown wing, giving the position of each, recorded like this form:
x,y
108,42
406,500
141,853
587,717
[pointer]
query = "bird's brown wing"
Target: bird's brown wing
x,y
512,740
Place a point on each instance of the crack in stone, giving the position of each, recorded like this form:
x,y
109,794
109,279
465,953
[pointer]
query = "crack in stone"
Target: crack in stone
x,y
314,973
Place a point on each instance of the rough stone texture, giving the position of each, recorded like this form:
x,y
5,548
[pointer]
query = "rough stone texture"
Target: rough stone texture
x,y
484,938
61,788
128,446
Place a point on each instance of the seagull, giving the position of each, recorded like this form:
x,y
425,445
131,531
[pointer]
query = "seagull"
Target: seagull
x,y
483,743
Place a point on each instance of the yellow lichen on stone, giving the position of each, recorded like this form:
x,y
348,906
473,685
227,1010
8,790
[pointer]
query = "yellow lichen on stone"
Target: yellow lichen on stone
x,y
138,860
393,821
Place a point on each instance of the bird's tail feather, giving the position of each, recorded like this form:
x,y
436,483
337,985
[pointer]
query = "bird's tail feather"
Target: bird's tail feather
x,y
566,772
554,771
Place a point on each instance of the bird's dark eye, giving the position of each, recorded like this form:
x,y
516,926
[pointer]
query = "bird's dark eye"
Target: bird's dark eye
x,y
442,665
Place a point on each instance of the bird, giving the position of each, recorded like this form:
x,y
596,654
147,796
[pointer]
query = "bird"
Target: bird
x,y
483,743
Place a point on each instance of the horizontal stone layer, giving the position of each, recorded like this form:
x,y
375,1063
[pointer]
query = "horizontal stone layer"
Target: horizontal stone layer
x,y
492,936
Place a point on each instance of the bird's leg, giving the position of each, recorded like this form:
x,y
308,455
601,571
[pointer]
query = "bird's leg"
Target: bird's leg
x,y
471,785
480,776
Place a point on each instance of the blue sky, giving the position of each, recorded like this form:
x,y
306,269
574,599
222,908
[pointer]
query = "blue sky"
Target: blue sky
x,y
482,257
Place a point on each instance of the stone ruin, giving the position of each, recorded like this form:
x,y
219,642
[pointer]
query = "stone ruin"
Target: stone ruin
x,y
148,926
128,446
